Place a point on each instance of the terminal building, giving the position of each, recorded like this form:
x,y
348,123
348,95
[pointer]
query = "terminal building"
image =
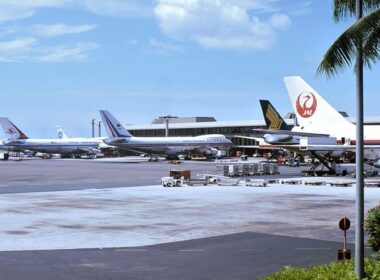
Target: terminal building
x,y
234,130
194,126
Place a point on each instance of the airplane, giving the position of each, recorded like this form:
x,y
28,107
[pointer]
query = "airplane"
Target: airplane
x,y
308,143
278,132
206,145
7,148
18,141
316,115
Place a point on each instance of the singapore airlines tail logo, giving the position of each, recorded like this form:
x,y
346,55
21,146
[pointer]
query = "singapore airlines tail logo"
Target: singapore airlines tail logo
x,y
306,104
275,121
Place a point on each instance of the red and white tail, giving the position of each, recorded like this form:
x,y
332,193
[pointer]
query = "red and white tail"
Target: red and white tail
x,y
12,131
314,113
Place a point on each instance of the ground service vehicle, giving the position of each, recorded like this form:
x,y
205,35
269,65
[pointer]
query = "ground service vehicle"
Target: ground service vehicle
x,y
171,182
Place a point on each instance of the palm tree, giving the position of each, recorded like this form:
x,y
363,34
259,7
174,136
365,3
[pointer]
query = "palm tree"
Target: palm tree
x,y
360,42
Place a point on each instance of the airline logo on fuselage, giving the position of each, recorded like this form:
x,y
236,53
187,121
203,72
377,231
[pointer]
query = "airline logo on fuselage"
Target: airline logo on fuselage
x,y
306,104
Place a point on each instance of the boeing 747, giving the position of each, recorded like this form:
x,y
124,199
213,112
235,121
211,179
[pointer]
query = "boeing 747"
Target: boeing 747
x,y
18,141
206,145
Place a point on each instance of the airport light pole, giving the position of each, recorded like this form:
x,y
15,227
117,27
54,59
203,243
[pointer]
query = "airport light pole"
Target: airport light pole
x,y
93,127
166,127
99,129
359,221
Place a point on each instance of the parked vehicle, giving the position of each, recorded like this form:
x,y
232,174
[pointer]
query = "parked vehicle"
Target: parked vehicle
x,y
198,181
171,182
293,163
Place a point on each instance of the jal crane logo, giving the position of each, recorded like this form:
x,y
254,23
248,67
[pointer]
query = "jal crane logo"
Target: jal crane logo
x,y
306,104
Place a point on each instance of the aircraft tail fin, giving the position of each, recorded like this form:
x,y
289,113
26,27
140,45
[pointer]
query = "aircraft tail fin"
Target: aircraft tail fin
x,y
61,133
12,131
272,118
312,110
113,127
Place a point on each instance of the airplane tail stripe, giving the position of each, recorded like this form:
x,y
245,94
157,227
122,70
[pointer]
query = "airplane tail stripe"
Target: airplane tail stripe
x,y
12,131
113,126
110,126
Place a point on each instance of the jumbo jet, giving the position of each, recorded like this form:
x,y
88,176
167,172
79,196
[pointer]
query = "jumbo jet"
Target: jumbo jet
x,y
207,145
18,141
278,132
316,115
318,145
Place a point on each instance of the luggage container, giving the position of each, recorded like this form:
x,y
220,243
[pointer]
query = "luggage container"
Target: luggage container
x,y
222,170
246,170
273,168
236,170
255,168
266,168
185,174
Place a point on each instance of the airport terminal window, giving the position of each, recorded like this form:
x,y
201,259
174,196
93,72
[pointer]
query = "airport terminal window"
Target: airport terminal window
x,y
200,131
149,132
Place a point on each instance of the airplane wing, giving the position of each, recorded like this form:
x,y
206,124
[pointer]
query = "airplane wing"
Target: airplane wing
x,y
86,150
288,132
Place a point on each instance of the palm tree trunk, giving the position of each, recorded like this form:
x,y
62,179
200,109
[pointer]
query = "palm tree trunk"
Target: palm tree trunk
x,y
359,221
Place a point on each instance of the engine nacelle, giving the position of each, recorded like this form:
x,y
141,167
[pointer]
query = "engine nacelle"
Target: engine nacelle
x,y
376,163
210,152
280,139
174,151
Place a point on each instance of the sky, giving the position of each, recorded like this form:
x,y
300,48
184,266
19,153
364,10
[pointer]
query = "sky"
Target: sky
x,y
63,60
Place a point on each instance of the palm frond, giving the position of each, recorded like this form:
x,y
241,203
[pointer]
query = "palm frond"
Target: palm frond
x,y
343,9
370,5
347,8
371,48
364,34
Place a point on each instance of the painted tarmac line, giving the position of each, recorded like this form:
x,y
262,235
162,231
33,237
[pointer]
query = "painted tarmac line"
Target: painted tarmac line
x,y
130,250
313,249
192,250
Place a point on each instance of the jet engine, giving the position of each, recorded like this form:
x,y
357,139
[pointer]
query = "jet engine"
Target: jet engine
x,y
279,139
210,151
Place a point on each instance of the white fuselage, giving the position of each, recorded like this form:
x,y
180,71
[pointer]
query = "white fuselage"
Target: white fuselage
x,y
172,145
59,146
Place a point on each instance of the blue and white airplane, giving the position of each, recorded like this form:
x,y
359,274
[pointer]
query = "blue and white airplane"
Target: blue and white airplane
x,y
206,145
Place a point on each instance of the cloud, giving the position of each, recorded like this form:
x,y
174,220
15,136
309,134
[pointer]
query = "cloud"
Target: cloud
x,y
158,47
131,41
121,8
76,52
221,24
302,8
60,29
17,45
280,22
29,49
13,51
19,9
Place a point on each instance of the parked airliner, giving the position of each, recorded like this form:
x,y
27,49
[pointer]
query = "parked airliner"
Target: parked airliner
x,y
316,115
207,145
18,141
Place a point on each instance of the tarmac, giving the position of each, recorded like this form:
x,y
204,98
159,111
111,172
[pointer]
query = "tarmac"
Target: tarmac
x,y
77,219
